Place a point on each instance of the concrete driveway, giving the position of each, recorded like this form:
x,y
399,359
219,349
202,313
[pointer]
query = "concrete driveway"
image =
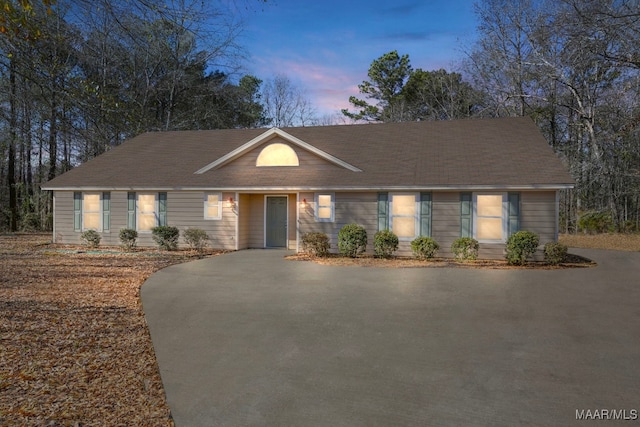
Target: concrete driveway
x,y
250,339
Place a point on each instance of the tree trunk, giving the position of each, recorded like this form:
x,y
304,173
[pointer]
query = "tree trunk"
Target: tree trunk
x,y
11,167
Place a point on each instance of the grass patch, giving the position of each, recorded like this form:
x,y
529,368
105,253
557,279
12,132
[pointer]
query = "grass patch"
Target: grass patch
x,y
610,241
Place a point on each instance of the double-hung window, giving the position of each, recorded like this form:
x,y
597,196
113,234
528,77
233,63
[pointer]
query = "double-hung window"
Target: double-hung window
x,y
325,207
404,216
151,210
490,217
92,211
212,205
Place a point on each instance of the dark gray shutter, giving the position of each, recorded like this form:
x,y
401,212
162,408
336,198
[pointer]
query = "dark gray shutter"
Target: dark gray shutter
x,y
77,211
514,213
425,214
106,211
466,220
131,210
383,211
162,209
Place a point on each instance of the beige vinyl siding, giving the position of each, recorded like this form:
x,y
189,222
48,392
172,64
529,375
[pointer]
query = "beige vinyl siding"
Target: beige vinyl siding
x,y
256,220
445,220
359,208
292,238
184,210
244,204
307,160
539,214
63,218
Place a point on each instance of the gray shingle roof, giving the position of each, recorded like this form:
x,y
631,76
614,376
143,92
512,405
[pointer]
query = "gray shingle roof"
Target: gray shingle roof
x,y
504,152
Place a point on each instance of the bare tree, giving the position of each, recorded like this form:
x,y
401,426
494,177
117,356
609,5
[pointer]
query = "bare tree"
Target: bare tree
x,y
285,104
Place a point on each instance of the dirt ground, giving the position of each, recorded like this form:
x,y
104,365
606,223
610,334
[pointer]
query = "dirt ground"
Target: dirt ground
x,y
75,348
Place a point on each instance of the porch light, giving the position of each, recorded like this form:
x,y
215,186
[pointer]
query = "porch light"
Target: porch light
x,y
303,203
230,202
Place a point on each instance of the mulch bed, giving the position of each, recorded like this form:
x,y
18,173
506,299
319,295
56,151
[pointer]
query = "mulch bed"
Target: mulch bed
x,y
572,261
76,350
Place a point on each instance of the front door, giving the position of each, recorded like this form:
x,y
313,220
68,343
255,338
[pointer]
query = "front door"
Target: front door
x,y
276,222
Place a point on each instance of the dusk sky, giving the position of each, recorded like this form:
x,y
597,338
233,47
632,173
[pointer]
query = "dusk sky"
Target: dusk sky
x,y
326,47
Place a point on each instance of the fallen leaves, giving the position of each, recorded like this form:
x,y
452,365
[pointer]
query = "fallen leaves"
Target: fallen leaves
x,y
75,348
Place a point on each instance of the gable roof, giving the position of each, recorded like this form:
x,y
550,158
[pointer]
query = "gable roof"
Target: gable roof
x,y
507,153
267,136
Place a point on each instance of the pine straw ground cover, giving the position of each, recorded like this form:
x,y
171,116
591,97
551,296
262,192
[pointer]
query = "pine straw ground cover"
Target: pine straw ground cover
x,y
74,345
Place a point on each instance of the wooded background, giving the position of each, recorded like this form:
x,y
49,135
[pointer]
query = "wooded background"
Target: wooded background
x,y
78,77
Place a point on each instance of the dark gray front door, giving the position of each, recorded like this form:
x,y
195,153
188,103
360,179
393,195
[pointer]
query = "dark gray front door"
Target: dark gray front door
x,y
276,222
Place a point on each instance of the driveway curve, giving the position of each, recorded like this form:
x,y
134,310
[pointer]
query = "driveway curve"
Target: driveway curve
x,y
250,339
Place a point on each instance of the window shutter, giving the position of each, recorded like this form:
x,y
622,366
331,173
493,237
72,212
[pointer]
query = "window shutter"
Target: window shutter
x,y
425,214
465,215
77,211
106,211
383,211
162,209
131,210
514,213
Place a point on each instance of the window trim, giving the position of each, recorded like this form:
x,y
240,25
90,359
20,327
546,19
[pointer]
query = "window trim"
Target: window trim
x,y
504,217
416,215
84,211
332,206
207,205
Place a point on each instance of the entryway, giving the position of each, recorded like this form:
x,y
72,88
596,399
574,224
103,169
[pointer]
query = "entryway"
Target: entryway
x,y
276,222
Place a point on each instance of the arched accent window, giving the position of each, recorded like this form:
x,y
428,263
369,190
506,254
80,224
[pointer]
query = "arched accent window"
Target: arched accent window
x,y
277,154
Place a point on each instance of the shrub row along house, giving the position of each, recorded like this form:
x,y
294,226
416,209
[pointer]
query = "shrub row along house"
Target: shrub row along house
x,y
257,188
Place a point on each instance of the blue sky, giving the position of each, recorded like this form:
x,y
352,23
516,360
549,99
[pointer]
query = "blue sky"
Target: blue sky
x,y
327,46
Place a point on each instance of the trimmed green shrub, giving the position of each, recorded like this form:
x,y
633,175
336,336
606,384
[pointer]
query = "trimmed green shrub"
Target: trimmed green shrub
x,y
595,222
91,238
316,244
128,238
352,240
166,237
385,243
424,247
555,253
520,246
465,248
196,238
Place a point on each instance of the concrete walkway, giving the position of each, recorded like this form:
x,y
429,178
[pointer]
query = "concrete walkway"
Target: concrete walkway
x,y
250,339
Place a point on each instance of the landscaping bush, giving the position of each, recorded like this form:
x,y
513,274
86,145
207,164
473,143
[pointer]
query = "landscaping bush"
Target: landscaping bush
x,y
196,238
352,240
385,243
424,247
595,222
465,248
520,246
555,253
91,238
166,237
128,238
316,244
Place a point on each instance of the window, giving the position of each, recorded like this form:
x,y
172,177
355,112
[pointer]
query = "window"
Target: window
x,y
277,154
213,206
489,218
325,210
146,212
404,216
91,211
